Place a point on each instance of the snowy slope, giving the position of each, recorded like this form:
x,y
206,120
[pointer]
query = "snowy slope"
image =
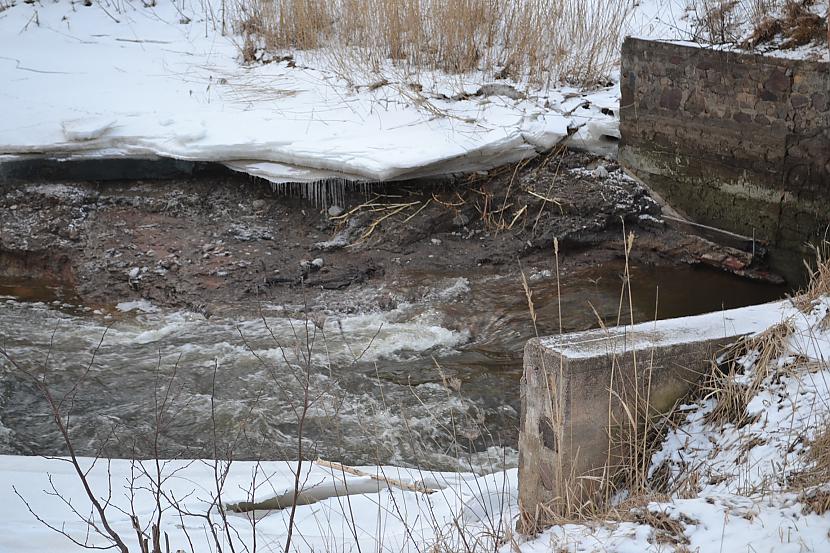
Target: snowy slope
x,y
128,80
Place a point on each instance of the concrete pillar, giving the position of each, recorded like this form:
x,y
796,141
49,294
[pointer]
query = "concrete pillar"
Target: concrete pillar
x,y
580,391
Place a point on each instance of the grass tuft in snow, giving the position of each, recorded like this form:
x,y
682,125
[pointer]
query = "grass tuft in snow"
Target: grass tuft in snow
x,y
819,284
732,385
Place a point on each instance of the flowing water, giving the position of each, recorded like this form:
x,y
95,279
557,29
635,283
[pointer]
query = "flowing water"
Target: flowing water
x,y
432,381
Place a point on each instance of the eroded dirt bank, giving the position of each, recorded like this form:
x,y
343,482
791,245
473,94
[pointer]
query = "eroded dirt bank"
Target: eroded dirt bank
x,y
226,243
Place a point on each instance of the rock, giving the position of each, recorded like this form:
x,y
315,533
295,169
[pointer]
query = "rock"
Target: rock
x,y
311,266
461,220
134,272
335,211
258,204
600,172
497,89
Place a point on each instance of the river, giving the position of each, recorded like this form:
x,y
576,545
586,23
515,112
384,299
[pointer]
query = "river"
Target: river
x,y
431,381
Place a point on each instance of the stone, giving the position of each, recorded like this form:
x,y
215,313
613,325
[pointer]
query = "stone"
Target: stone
x,y
778,82
460,220
335,211
258,204
600,172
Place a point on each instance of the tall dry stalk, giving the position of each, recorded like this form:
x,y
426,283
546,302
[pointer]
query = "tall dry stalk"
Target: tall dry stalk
x,y
535,40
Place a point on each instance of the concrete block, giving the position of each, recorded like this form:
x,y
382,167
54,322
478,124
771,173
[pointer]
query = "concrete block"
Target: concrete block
x,y
574,387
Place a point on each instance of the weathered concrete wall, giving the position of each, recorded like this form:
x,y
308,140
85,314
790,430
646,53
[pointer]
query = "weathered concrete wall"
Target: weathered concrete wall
x,y
573,423
737,141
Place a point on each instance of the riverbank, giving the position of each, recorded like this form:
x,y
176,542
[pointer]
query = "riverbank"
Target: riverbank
x,y
226,243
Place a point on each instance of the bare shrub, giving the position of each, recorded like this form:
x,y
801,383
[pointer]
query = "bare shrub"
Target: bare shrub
x,y
751,23
718,20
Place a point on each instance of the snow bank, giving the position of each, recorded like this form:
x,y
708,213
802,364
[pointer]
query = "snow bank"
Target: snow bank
x,y
135,81
78,83
367,515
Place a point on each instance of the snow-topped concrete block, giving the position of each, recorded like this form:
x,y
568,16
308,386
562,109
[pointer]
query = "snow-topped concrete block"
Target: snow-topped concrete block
x,y
581,392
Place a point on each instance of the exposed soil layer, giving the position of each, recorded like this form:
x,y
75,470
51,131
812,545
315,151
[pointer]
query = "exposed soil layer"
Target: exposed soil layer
x,y
226,243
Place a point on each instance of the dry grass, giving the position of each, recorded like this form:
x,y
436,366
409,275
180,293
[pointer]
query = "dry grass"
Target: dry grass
x,y
539,40
819,284
816,500
814,482
797,25
731,393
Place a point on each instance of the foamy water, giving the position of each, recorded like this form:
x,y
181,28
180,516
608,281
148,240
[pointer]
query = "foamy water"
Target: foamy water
x,y
245,379
432,382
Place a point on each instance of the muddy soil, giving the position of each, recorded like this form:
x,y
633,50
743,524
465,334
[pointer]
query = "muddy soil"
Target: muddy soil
x,y
227,243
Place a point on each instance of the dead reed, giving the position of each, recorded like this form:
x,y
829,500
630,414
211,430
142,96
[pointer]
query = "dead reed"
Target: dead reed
x,y
532,40
819,282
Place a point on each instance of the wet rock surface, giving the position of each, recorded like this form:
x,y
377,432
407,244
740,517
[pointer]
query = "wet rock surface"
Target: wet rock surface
x,y
228,243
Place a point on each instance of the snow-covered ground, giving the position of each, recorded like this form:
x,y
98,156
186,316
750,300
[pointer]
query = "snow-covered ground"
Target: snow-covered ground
x,y
157,79
366,516
732,485
129,79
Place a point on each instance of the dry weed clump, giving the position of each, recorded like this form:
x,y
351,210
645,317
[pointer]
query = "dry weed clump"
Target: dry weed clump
x,y
815,500
667,530
814,481
797,24
819,283
730,385
539,40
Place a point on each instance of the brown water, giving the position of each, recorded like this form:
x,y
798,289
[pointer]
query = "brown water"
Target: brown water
x,y
433,382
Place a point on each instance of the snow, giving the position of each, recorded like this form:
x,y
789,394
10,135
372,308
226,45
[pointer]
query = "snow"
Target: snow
x,y
709,326
146,81
76,83
366,514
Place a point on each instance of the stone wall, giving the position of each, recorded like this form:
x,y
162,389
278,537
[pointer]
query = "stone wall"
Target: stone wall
x,y
736,141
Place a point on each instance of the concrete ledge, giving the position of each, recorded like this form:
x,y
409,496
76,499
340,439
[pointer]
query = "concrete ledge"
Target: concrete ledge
x,y
575,386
